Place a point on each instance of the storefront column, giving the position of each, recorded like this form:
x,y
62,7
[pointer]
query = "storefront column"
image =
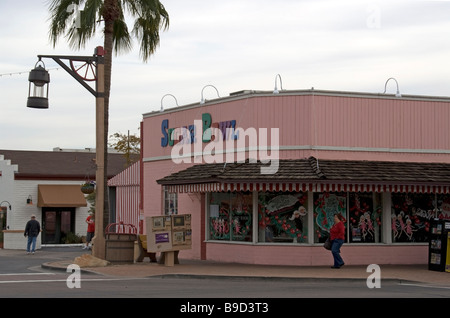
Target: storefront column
x,y
255,236
386,218
203,224
310,217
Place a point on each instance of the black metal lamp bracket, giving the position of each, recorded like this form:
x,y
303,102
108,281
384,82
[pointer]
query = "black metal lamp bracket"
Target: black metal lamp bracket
x,y
90,61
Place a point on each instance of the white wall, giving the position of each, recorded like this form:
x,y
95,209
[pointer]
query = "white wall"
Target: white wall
x,y
21,212
7,183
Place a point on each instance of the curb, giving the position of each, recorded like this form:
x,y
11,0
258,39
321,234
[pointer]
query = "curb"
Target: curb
x,y
211,273
273,278
63,268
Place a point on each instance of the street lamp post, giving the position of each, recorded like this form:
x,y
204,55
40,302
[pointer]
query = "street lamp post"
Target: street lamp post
x,y
83,69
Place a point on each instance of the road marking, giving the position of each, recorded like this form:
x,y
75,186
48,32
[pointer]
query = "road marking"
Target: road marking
x,y
65,280
26,274
426,286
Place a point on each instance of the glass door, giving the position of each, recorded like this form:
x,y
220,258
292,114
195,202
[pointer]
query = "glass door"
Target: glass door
x,y
56,224
49,227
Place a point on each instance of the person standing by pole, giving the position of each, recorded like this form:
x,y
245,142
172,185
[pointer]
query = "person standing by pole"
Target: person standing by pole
x,y
32,230
337,237
90,230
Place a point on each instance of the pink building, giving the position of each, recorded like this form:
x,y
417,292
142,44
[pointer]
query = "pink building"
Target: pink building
x,y
262,174
124,193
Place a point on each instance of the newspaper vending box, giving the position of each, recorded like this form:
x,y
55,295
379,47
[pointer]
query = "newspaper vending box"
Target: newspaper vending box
x,y
159,233
168,233
181,231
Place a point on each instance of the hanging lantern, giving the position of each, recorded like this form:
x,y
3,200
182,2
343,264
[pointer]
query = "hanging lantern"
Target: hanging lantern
x,y
39,80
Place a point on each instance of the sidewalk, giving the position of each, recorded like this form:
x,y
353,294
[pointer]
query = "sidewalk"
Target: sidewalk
x,y
189,268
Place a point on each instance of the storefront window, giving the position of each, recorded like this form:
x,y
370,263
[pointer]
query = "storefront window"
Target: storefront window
x,y
326,204
219,216
170,203
411,216
282,217
241,217
230,216
365,217
443,211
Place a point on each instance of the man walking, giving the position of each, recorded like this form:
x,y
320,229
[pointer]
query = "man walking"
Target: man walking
x,y
32,230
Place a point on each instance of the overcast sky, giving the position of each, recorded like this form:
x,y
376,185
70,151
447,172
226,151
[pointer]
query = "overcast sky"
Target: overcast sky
x,y
345,45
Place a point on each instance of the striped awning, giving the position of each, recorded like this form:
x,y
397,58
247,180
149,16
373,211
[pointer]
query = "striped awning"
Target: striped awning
x,y
311,174
128,177
303,187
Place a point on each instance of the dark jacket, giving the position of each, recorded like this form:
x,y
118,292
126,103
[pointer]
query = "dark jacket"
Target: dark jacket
x,y
33,228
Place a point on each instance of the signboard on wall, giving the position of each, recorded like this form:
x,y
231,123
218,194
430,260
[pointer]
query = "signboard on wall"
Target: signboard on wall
x,y
167,132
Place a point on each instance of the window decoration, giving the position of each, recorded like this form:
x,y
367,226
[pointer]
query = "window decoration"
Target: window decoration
x,y
365,217
282,217
443,203
326,204
411,216
230,216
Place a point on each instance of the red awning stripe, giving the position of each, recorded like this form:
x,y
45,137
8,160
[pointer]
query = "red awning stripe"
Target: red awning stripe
x,y
303,187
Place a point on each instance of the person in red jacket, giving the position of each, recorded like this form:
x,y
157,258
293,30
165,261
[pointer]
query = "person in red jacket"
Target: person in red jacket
x,y
90,230
337,237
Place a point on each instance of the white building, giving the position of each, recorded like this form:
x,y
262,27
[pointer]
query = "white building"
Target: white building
x,y
47,184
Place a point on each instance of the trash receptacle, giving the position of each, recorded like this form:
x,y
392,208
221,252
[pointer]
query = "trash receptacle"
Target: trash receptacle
x,y
120,240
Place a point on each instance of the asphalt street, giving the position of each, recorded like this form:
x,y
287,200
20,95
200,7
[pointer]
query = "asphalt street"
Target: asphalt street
x,y
23,276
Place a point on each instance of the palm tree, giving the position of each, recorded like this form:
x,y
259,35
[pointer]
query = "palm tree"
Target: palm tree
x,y
149,16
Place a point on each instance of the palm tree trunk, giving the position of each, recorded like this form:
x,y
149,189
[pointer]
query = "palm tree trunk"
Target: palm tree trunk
x,y
110,14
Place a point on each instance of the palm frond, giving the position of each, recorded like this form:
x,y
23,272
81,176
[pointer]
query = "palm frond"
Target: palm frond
x,y
60,16
149,16
77,26
121,36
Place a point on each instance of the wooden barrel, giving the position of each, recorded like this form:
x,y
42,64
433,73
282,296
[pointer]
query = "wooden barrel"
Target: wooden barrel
x,y
120,247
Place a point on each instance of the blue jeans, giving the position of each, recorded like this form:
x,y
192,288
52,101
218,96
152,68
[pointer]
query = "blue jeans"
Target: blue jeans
x,y
336,251
31,243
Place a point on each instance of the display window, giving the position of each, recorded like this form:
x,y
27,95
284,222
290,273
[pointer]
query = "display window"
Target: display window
x,y
219,216
443,204
282,217
285,217
364,220
241,216
230,216
326,204
170,202
411,216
